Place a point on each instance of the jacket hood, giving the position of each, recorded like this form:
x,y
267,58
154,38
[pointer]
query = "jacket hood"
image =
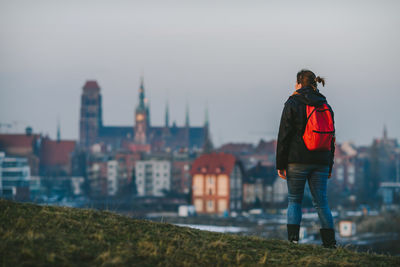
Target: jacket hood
x,y
309,96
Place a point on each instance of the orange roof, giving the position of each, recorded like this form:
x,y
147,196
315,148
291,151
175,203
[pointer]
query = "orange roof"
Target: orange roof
x,y
17,140
214,163
56,153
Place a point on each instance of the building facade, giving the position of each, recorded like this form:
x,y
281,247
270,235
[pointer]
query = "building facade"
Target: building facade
x,y
15,178
217,183
26,145
263,188
153,177
112,177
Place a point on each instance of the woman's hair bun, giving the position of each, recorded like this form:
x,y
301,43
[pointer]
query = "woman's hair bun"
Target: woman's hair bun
x,y
320,80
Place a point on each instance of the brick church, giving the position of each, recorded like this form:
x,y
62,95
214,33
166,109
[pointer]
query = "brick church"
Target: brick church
x,y
142,136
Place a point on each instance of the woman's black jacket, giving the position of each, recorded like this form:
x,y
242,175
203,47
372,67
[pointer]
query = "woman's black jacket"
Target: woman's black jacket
x,y
291,147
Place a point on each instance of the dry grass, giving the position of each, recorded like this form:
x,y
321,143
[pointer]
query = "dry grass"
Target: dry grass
x,y
45,235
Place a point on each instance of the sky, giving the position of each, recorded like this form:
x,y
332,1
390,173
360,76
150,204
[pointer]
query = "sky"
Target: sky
x,y
239,58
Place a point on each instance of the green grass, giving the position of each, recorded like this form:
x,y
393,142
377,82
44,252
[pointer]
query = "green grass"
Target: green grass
x,y
46,235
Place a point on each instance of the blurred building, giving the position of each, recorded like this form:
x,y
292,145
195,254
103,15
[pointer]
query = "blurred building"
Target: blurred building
x,y
344,171
385,169
250,155
97,175
217,183
142,136
36,190
56,157
15,177
112,177
153,177
23,145
180,175
262,188
126,170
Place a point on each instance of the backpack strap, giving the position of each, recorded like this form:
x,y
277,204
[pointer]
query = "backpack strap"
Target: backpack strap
x,y
308,117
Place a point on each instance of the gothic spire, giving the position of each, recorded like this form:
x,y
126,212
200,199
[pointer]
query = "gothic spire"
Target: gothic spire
x,y
207,145
141,94
384,132
167,115
206,120
187,116
58,130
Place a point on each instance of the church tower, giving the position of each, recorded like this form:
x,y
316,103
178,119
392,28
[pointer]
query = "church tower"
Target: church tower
x,y
141,118
208,145
187,127
90,114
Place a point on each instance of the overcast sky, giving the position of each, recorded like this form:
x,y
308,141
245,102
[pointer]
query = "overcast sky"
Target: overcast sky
x,y
240,57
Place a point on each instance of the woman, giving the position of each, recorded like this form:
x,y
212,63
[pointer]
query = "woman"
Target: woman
x,y
298,164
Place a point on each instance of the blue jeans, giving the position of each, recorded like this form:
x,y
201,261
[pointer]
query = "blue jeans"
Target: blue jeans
x,y
317,177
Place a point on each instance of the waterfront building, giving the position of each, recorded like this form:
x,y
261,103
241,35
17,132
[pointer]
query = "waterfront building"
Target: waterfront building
x,y
217,183
153,177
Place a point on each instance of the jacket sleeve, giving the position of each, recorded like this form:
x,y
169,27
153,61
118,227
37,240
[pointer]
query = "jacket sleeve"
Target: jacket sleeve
x,y
286,130
333,144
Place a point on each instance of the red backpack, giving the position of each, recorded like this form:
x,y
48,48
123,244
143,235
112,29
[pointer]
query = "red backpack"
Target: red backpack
x,y
320,129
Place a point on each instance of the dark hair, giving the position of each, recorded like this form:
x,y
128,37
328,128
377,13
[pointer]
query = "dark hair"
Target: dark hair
x,y
307,78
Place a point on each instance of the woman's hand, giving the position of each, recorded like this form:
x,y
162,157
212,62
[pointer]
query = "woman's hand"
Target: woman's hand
x,y
282,174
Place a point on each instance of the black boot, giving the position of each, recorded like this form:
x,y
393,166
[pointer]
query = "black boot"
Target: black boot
x,y
293,233
328,237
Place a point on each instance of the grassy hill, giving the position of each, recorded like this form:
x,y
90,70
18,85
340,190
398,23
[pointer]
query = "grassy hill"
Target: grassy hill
x,y
46,235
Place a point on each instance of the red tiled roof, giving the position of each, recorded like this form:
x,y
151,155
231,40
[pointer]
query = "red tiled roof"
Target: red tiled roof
x,y
17,140
56,153
214,163
91,85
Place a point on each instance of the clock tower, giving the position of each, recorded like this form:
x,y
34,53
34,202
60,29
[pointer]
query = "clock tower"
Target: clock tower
x,y
141,118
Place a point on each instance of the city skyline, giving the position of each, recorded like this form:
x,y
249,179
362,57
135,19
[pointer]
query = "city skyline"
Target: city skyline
x,y
239,58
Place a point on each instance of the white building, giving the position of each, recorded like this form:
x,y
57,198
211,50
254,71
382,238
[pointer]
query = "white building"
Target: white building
x,y
15,177
112,177
153,177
